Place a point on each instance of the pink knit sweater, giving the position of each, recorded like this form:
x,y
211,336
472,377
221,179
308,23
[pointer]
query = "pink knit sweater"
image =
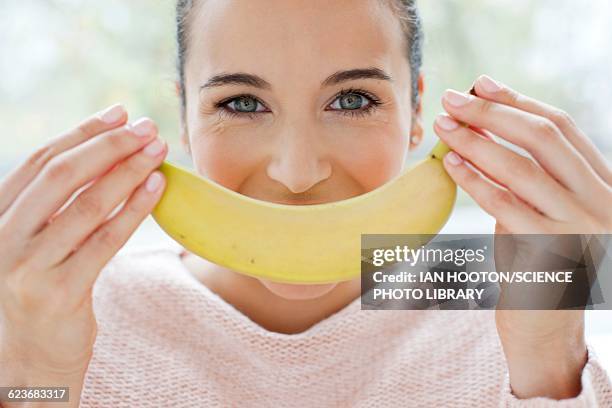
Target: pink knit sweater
x,y
166,340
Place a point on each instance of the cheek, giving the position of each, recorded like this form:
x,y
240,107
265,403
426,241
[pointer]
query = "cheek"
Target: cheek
x,y
226,154
372,153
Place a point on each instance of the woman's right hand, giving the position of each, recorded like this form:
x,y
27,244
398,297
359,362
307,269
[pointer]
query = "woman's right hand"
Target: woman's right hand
x,y
56,236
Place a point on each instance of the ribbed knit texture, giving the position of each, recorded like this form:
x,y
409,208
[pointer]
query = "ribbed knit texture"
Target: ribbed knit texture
x,y
166,340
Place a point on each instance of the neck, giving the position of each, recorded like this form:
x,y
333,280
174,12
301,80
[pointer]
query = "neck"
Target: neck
x,y
268,310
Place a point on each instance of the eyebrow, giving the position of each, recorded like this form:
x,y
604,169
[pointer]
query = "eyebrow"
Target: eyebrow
x,y
360,73
242,78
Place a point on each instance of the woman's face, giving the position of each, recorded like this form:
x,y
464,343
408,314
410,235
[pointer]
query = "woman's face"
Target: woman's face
x,y
265,112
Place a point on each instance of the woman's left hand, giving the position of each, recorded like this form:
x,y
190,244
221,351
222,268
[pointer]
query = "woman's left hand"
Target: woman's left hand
x,y
565,187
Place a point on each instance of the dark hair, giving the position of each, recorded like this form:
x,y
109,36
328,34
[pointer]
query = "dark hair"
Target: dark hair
x,y
406,10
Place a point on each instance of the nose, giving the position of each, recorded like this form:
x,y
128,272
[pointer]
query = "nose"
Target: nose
x,y
297,164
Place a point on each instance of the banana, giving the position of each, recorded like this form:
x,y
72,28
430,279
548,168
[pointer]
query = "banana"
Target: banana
x,y
305,244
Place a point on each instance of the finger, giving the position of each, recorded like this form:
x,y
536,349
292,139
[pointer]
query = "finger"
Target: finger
x,y
492,90
91,207
515,215
519,174
482,132
20,177
536,134
84,265
70,170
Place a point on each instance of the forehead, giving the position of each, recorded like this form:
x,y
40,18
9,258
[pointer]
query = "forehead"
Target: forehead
x,y
295,39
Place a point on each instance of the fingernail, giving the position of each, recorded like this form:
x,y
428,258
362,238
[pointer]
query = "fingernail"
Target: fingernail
x,y
112,114
153,182
453,158
489,84
446,122
154,148
457,99
143,127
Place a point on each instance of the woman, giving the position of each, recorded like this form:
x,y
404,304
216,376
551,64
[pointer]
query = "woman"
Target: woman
x,y
293,102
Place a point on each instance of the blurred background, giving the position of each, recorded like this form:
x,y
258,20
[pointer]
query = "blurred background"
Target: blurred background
x,y
64,59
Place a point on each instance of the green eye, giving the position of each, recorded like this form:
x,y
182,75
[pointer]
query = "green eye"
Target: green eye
x,y
245,104
355,103
351,101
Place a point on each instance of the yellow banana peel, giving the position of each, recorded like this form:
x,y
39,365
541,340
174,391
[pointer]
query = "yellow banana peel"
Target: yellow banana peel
x,y
305,244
